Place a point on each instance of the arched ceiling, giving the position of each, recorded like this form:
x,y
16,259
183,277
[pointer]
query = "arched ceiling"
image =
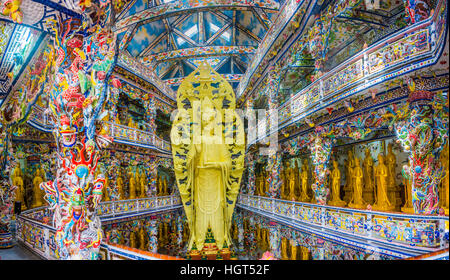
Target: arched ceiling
x,y
173,37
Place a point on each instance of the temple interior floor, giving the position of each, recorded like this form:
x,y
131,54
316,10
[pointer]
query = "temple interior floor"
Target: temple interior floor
x,y
18,252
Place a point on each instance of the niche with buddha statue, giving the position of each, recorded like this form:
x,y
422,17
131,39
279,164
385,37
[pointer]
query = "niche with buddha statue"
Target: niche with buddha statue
x,y
365,180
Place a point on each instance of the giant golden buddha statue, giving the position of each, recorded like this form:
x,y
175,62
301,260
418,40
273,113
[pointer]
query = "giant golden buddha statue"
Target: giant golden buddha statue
x,y
208,163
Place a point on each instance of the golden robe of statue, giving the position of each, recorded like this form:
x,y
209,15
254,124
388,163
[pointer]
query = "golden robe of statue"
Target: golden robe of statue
x,y
208,150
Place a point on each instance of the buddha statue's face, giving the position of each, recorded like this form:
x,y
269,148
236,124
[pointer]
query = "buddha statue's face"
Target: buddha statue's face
x,y
390,147
335,164
357,161
380,158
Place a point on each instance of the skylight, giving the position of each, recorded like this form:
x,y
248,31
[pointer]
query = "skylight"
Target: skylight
x,y
192,31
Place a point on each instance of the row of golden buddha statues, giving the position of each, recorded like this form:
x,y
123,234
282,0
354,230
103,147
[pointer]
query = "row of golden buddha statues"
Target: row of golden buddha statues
x,y
365,183
291,251
21,194
136,187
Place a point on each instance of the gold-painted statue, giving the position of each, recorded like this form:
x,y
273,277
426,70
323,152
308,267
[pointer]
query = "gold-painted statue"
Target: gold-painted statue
x,y
408,206
382,202
143,182
266,183
284,248
293,254
304,253
137,181
132,190
20,190
291,180
208,163
37,193
166,190
120,187
285,181
336,187
304,182
142,239
297,180
391,164
133,239
357,199
368,170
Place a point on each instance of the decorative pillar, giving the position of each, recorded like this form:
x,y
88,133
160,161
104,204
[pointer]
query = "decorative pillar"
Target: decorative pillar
x,y
7,190
422,130
153,235
320,145
251,162
151,114
153,171
273,167
82,69
274,235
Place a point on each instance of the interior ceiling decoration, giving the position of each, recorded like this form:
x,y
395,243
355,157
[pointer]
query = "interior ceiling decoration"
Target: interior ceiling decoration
x,y
349,32
18,43
173,37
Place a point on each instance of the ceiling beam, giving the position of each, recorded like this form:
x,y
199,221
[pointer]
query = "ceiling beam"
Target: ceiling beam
x,y
218,33
198,52
178,7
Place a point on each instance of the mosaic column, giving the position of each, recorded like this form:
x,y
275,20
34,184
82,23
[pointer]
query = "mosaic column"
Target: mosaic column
x,y
82,67
423,133
320,148
151,115
274,169
7,190
153,235
251,162
274,236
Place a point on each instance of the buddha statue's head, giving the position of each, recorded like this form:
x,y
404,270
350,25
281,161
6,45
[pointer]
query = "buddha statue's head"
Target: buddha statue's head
x,y
335,164
380,158
356,161
390,147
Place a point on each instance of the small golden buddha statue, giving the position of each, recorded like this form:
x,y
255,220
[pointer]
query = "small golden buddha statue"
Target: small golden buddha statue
x,y
335,187
304,182
357,199
391,163
382,202
291,184
368,170
132,191
20,190
408,206
266,184
160,234
142,239
133,241
304,253
284,248
37,195
159,189
143,182
18,171
285,181
261,184
293,253
297,190
166,232
166,190
137,180
350,167
130,122
120,187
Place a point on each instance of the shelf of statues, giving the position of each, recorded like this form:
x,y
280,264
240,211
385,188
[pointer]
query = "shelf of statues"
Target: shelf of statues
x,y
27,200
364,183
291,251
